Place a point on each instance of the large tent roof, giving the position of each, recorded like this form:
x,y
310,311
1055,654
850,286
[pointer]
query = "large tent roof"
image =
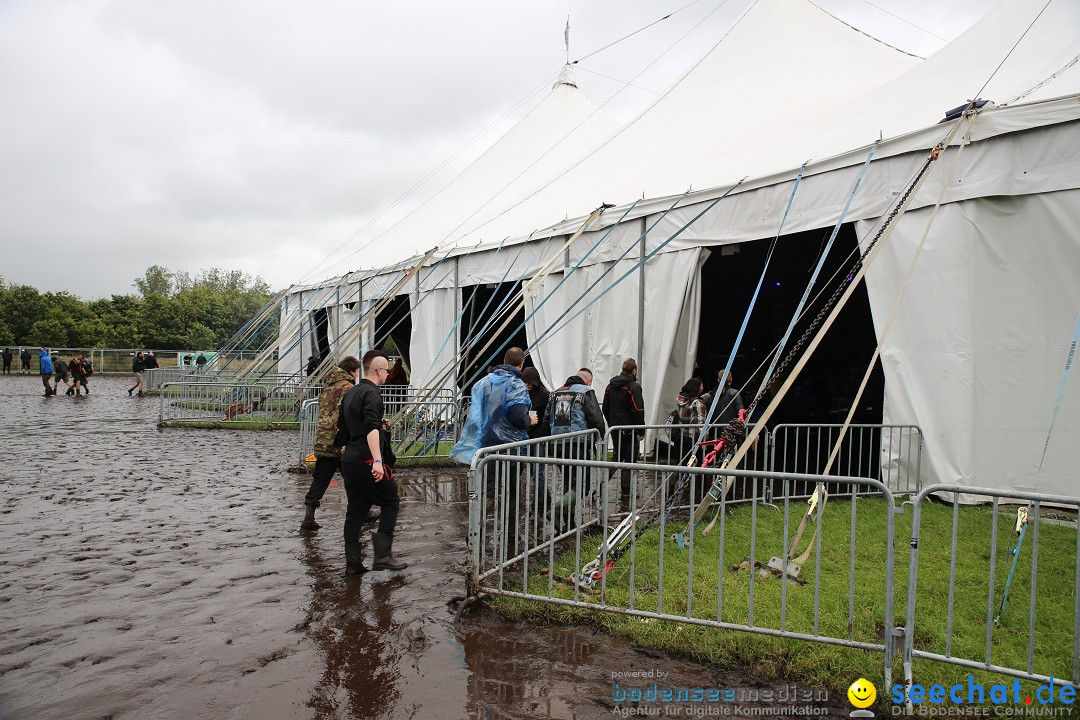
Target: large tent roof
x,y
562,127
830,106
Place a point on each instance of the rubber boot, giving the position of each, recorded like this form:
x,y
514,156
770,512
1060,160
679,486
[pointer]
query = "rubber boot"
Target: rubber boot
x,y
309,524
355,566
384,559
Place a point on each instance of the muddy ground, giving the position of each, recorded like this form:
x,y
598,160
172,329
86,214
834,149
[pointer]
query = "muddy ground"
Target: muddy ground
x,y
150,573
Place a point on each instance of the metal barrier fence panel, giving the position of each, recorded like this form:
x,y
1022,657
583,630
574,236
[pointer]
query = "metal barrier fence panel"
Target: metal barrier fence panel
x,y
672,445
309,416
219,403
1024,635
889,453
418,428
557,500
426,428
722,579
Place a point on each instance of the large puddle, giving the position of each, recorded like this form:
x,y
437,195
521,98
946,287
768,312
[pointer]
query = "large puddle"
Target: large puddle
x,y
161,574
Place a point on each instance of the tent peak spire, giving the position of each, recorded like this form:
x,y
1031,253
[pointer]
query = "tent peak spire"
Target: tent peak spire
x,y
566,77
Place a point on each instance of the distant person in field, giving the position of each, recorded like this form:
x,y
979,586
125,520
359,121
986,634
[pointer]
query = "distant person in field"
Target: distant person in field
x,y
24,357
150,361
45,369
200,361
60,373
138,364
8,357
313,363
78,375
88,370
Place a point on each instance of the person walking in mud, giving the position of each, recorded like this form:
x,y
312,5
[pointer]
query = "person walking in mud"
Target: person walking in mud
x,y
138,364
24,358
45,368
336,383
87,370
60,373
78,375
367,466
499,414
8,357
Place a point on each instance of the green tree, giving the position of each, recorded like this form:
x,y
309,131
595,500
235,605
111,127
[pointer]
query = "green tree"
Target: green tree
x,y
157,280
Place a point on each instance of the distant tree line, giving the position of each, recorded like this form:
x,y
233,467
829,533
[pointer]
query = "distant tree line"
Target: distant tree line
x,y
172,311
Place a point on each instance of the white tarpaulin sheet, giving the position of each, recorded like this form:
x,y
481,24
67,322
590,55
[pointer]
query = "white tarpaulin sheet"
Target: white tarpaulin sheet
x,y
976,353
434,338
607,332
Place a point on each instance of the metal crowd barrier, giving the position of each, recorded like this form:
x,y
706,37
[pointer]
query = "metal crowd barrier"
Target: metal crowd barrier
x,y
672,445
1017,627
309,417
560,499
744,576
426,428
221,404
518,550
889,453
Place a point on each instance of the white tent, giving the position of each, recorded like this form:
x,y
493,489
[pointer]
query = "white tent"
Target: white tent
x,y
980,339
562,127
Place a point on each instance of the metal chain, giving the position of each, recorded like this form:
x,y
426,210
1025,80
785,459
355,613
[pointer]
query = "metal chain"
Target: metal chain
x,y
810,330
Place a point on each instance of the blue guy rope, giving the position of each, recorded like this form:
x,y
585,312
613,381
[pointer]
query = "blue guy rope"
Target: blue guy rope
x,y
817,270
565,277
1061,390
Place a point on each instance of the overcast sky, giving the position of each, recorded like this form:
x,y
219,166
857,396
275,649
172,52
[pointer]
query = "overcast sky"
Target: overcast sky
x,y
262,135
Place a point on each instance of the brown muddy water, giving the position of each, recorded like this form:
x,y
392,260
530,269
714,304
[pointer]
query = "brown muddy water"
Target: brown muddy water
x,y
150,573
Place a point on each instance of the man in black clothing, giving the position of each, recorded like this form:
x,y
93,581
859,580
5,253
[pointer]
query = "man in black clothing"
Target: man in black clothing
x,y
60,373
24,356
8,357
624,405
367,465
137,367
150,361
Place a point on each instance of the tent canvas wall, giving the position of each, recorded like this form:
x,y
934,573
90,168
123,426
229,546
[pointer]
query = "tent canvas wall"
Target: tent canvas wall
x,y
1019,171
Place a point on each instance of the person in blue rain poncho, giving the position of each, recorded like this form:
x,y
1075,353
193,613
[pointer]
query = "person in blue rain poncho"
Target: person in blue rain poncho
x,y
499,414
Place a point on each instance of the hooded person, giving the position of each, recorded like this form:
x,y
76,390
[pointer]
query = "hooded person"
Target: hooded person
x,y
46,370
338,381
499,414
624,406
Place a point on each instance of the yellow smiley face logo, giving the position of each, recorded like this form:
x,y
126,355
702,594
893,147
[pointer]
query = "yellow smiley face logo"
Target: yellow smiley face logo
x,y
862,693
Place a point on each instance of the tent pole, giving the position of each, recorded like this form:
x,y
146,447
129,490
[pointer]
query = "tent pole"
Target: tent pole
x,y
457,314
641,293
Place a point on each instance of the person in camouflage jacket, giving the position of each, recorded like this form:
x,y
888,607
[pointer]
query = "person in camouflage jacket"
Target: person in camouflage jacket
x,y
336,383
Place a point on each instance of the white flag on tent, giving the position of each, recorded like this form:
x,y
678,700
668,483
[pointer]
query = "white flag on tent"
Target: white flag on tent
x,y
566,36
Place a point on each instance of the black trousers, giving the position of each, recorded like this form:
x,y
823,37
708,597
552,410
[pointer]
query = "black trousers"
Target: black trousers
x,y
363,492
325,467
625,445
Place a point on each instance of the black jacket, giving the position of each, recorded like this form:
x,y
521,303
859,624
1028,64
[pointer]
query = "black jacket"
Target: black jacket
x,y
623,404
137,364
362,412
